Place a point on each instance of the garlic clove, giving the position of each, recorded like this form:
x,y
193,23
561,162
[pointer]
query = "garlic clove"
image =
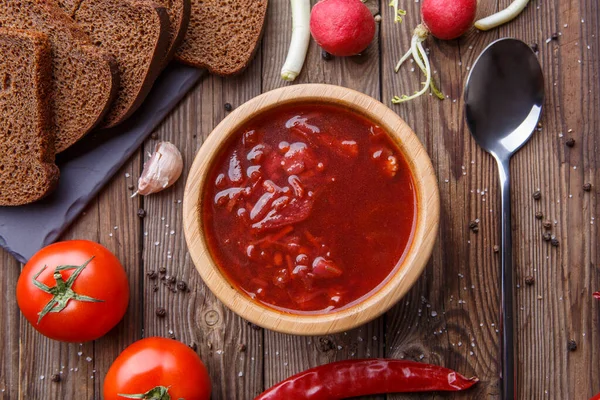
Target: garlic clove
x,y
162,169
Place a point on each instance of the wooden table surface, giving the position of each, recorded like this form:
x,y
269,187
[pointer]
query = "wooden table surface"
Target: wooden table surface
x,y
451,315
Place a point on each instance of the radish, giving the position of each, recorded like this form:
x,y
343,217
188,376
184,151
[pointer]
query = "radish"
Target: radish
x,y
448,19
342,27
444,19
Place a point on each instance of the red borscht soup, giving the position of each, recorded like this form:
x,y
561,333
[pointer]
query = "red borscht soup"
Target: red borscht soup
x,y
309,208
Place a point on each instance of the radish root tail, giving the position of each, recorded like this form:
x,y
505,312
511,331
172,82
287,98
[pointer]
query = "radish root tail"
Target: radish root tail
x,y
419,54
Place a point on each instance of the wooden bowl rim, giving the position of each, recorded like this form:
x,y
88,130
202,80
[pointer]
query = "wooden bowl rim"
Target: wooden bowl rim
x,y
376,303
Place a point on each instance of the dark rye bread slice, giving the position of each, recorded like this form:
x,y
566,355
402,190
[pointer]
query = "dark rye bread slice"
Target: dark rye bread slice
x,y
179,12
223,34
136,33
84,77
27,170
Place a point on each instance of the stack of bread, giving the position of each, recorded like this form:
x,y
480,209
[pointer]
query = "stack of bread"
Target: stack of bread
x,y
69,66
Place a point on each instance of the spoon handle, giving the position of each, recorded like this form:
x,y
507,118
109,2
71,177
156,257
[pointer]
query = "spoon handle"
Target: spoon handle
x,y
507,313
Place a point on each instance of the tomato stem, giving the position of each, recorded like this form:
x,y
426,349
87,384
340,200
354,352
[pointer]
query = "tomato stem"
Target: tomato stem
x,y
62,292
156,393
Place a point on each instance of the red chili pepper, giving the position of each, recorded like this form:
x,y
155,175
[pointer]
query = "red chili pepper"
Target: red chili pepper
x,y
354,378
597,295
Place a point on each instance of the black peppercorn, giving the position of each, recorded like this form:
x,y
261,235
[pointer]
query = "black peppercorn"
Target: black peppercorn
x,y
325,344
55,378
170,279
529,280
554,36
554,242
193,346
162,270
241,347
587,187
474,226
535,47
228,107
572,345
570,142
161,312
539,215
547,237
151,275
325,55
547,225
181,285
154,136
537,195
142,213
130,187
253,326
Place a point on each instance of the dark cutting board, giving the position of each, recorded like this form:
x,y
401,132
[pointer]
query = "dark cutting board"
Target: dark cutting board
x,y
86,167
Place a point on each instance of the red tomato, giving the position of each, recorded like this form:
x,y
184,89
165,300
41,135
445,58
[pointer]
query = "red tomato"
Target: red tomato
x,y
94,304
157,364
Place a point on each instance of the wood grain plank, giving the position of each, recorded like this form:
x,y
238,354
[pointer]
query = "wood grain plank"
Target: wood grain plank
x,y
456,301
119,230
544,355
41,357
450,317
9,334
534,168
558,307
83,366
230,348
286,355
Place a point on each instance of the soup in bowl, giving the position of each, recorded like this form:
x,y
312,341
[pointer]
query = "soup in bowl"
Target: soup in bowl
x,y
311,209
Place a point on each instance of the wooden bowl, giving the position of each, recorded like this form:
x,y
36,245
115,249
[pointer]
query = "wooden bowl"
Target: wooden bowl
x,y
390,292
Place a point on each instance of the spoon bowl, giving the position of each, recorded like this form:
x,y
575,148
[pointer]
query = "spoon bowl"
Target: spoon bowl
x,y
504,96
503,104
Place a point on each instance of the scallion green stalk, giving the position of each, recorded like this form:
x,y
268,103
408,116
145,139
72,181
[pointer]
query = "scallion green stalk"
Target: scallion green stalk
x,y
300,40
502,17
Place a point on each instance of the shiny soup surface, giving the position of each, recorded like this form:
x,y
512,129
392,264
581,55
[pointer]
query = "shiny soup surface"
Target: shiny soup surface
x,y
308,208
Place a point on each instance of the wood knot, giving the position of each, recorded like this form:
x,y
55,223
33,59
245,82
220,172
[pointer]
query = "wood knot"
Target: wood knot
x,y
211,317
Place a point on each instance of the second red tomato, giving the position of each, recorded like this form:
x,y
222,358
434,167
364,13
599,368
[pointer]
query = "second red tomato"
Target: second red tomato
x,y
157,368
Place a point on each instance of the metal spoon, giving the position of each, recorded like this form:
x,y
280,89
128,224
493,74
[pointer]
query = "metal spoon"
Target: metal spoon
x,y
503,98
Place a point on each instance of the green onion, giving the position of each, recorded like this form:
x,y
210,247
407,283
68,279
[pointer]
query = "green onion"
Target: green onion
x,y
300,40
502,17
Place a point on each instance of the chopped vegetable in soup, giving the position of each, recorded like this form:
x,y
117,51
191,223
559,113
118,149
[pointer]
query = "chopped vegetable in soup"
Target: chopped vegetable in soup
x,y
308,208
